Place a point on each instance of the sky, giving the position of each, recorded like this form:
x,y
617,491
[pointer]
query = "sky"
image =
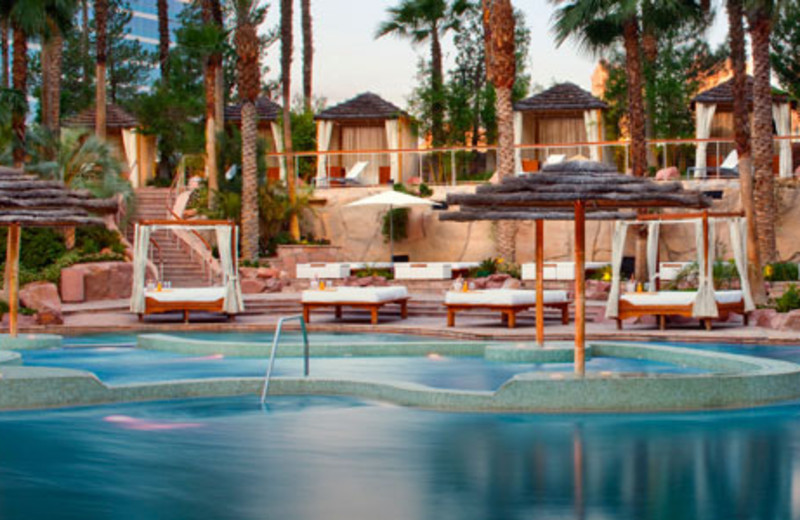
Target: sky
x,y
349,60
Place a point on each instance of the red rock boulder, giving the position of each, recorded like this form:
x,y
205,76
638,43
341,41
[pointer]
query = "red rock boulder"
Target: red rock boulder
x,y
43,298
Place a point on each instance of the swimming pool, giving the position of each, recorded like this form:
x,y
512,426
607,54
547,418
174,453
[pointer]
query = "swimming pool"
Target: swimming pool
x,y
335,458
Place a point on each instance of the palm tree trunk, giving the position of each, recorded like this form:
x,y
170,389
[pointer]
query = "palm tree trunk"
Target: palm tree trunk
x,y
308,53
286,80
650,52
52,57
219,83
101,18
210,84
764,195
437,104
249,182
741,126
4,47
85,40
163,39
507,229
20,84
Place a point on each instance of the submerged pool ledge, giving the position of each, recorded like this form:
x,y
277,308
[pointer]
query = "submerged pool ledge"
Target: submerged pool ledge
x,y
734,381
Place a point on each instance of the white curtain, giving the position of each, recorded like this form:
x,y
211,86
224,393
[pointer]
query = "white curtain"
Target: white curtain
x,y
617,249
392,143
703,117
738,228
324,132
705,304
277,135
517,141
783,125
141,243
592,123
233,292
652,253
129,138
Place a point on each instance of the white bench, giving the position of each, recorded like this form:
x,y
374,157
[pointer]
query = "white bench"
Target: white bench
x,y
423,271
564,271
323,270
668,271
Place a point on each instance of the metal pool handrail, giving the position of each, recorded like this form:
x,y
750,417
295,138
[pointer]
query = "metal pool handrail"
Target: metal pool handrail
x,y
275,342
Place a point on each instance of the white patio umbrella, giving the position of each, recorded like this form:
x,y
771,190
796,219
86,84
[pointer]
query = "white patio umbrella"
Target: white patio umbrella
x,y
391,199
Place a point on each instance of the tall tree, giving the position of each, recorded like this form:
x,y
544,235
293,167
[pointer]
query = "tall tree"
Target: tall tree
x,y
248,71
308,54
60,15
498,33
421,21
101,47
741,128
759,15
212,18
786,46
286,83
4,46
163,38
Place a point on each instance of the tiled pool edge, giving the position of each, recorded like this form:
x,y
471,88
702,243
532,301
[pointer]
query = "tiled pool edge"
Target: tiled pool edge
x,y
743,382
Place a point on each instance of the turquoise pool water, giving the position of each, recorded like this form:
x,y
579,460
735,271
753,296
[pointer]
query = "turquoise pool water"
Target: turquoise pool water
x,y
330,458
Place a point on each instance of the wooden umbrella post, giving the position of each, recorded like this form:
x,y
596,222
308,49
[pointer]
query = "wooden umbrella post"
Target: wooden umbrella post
x,y
580,287
12,259
540,283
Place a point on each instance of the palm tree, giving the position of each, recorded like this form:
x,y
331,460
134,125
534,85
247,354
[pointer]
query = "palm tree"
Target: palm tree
x,y
163,39
421,21
4,48
248,72
286,83
212,16
759,15
60,16
741,125
308,53
100,20
498,33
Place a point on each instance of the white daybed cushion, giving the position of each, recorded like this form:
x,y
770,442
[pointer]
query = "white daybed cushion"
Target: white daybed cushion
x,y
187,294
502,297
677,297
355,294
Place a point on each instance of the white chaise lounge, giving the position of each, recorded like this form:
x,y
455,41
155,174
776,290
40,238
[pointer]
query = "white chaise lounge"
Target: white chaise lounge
x,y
370,298
676,303
508,302
208,299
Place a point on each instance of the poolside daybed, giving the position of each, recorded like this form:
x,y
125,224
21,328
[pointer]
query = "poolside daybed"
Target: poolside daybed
x,y
370,298
208,299
705,303
508,302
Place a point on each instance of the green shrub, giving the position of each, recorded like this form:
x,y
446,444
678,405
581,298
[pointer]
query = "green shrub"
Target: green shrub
x,y
789,300
511,269
3,307
372,271
395,221
781,272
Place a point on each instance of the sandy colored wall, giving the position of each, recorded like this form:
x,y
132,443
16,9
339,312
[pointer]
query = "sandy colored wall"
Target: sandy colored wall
x,y
357,231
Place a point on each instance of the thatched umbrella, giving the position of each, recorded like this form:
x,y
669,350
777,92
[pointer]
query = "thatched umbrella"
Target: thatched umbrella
x,y
27,200
570,191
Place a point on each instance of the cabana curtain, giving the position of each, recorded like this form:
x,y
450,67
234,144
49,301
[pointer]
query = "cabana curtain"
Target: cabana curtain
x,y
738,229
617,249
703,119
392,138
652,253
517,142
591,120
129,138
277,135
233,291
141,243
783,126
324,132
705,304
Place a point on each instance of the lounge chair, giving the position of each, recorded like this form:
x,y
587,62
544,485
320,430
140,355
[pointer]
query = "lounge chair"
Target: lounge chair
x,y
508,302
208,299
676,303
728,168
370,298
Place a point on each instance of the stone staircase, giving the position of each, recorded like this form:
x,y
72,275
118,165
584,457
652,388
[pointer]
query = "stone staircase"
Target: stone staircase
x,y
179,267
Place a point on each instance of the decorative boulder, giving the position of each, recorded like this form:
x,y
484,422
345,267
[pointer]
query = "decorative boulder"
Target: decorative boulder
x,y
268,272
597,289
96,281
791,320
668,174
762,317
43,298
253,286
497,280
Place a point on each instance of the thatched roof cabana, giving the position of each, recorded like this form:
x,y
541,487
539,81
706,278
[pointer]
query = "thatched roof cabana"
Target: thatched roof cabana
x,y
366,123
136,150
27,200
562,114
714,119
267,115
572,190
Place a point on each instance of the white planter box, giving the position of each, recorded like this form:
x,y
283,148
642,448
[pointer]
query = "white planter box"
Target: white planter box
x,y
422,271
668,271
529,271
323,270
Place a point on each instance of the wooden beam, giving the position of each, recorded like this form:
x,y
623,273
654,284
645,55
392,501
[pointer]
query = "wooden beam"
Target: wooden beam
x,y
686,216
540,283
580,287
12,260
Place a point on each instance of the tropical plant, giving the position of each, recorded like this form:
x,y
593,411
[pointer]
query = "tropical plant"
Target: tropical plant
x,y
759,16
781,272
789,300
785,44
427,21
4,81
